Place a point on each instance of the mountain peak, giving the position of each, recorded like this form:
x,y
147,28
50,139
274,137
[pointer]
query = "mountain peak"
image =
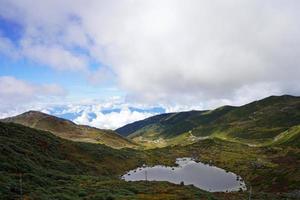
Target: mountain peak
x,y
69,130
33,113
280,97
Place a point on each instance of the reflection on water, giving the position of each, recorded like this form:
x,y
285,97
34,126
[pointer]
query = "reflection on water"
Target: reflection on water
x,y
203,176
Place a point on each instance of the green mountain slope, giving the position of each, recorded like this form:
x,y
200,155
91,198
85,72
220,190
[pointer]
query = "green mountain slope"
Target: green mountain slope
x,y
41,166
290,137
69,130
256,123
48,167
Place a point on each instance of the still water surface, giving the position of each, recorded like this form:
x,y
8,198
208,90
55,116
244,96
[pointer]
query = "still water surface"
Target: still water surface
x,y
188,171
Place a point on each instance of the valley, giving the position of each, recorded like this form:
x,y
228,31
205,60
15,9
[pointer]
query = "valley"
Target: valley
x,y
52,164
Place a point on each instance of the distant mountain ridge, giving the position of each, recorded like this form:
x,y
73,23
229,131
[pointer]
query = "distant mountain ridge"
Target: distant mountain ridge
x,y
69,130
257,122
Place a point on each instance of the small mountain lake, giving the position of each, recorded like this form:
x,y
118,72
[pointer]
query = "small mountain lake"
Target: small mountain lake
x,y
188,171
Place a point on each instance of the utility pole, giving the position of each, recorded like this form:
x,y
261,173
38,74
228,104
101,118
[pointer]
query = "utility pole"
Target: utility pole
x,y
250,192
21,189
146,178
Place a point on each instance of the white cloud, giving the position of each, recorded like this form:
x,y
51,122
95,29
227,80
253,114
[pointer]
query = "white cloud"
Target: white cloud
x,y
10,86
112,120
111,113
170,51
54,56
200,50
102,75
17,94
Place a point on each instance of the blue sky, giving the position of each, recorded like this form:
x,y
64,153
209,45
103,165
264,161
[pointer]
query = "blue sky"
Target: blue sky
x,y
34,72
106,64
78,89
76,85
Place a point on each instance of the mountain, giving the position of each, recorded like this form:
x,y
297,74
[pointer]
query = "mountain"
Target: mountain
x,y
36,164
290,137
69,130
255,123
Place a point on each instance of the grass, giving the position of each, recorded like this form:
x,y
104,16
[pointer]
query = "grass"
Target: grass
x,y
271,171
69,130
289,137
54,168
257,123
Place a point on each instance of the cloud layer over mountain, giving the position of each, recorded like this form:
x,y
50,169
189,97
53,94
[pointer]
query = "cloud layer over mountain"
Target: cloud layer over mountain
x,y
178,53
195,49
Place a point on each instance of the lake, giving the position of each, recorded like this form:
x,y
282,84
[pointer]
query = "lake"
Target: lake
x,y
188,171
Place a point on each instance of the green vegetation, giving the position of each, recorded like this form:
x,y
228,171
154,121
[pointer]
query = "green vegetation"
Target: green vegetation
x,y
289,137
272,171
256,123
54,168
51,167
69,130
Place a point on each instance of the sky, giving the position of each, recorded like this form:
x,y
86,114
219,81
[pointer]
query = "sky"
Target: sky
x,y
108,63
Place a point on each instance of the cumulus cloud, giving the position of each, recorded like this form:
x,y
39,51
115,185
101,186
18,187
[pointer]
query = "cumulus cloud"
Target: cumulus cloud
x,y
172,51
54,56
112,120
101,75
15,93
49,34
111,113
201,50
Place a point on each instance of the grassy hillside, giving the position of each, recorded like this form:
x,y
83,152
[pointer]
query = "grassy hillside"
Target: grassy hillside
x,y
69,130
54,168
256,123
272,171
290,137
135,126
